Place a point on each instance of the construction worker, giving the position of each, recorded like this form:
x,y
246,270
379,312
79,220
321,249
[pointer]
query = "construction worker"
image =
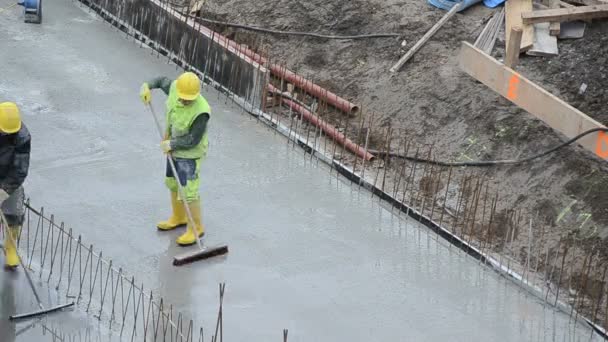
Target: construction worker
x,y
15,148
186,140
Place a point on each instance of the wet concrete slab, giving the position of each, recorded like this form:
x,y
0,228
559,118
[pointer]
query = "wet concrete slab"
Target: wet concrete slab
x,y
308,251
72,324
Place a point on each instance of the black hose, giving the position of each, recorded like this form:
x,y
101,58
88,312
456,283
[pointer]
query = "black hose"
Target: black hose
x,y
295,33
491,162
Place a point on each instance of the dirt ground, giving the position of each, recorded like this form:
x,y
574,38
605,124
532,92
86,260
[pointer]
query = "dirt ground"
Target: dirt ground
x,y
433,103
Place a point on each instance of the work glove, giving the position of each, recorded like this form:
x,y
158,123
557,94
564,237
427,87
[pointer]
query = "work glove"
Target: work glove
x,y
3,196
145,94
165,145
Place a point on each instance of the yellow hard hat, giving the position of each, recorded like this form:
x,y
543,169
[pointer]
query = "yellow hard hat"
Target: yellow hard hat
x,y
188,86
10,120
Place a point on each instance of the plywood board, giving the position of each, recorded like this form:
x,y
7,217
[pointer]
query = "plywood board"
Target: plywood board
x,y
545,44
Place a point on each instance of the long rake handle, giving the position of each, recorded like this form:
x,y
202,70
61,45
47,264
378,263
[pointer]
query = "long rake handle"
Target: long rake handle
x,y
21,262
180,188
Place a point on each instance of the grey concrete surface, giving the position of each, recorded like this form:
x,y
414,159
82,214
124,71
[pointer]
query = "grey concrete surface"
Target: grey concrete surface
x,y
70,325
307,251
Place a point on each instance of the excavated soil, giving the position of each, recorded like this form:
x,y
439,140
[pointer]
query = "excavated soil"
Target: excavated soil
x,y
433,103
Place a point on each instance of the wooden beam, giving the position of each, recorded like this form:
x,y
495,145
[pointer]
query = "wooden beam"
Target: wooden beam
x,y
512,57
565,14
556,113
564,4
426,37
555,26
585,2
513,11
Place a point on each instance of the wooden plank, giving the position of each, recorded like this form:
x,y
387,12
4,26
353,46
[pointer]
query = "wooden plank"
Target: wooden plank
x,y
513,52
480,41
555,26
556,113
426,37
487,38
514,9
565,14
564,4
585,2
499,25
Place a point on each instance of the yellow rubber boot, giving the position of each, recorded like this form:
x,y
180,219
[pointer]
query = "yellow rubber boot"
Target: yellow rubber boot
x,y
10,251
193,233
178,216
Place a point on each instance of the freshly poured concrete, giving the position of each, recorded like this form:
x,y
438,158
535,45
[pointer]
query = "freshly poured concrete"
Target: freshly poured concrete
x,y
308,252
69,325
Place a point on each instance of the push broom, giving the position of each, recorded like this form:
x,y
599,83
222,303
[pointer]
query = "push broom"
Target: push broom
x,y
43,310
203,252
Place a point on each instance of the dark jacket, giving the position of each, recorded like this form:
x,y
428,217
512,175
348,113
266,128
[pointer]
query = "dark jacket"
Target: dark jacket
x,y
14,159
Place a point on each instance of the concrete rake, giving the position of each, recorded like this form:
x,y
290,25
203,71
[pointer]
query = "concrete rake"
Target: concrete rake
x,y
43,310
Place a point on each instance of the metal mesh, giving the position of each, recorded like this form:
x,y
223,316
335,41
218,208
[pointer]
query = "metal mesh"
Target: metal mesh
x,y
78,272
459,205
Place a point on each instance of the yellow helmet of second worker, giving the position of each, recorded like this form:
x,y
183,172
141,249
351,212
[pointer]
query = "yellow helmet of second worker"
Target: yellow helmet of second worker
x,y
10,119
188,86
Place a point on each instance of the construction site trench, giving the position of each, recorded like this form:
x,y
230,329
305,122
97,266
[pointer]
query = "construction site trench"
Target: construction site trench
x,y
310,251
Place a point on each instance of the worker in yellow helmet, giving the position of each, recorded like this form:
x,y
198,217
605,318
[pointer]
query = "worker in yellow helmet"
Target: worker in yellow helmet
x,y
15,146
186,140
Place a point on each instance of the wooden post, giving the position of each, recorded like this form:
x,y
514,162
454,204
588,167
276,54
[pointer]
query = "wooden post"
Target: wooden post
x,y
513,18
426,37
555,27
512,55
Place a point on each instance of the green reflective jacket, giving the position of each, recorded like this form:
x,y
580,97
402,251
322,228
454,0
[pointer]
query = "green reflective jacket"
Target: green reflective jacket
x,y
179,120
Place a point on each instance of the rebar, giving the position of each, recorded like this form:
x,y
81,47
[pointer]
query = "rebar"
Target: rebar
x,y
420,191
601,293
358,140
410,180
561,273
405,144
369,130
155,24
96,282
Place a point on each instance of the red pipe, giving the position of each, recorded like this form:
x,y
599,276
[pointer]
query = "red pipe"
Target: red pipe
x,y
329,130
309,87
281,72
300,82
